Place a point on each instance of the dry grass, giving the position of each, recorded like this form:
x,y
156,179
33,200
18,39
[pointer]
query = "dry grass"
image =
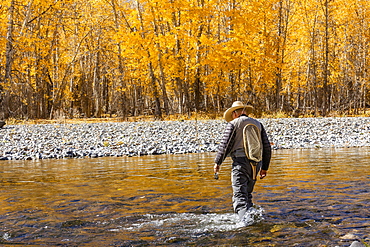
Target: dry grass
x,y
62,121
146,118
175,117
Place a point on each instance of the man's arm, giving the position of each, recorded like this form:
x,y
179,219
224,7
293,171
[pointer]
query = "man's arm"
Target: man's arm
x,y
266,153
225,145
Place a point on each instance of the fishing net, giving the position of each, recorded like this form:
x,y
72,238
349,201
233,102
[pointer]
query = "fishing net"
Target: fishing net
x,y
252,146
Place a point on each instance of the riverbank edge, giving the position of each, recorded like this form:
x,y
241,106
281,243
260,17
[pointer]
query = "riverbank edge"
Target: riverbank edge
x,y
93,140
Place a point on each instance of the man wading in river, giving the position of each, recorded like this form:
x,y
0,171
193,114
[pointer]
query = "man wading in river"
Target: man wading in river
x,y
246,142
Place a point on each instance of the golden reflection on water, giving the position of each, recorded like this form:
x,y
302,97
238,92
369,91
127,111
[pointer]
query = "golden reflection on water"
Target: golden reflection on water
x,y
321,165
305,190
167,182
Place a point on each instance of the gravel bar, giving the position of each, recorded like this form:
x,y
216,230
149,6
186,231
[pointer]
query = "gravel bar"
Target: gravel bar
x,y
83,140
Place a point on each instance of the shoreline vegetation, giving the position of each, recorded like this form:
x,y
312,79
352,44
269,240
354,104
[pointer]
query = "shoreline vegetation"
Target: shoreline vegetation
x,y
92,58
175,117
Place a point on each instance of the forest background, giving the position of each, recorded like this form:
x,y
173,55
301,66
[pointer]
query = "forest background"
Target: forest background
x,y
124,58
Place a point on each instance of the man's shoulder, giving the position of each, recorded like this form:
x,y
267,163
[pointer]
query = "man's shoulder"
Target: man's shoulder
x,y
250,119
243,120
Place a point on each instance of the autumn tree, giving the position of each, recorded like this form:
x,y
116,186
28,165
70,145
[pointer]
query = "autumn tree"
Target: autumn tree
x,y
158,57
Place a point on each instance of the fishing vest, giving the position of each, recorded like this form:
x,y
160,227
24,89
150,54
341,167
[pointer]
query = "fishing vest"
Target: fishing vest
x,y
247,140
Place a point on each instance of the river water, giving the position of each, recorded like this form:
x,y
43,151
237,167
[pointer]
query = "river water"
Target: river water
x,y
311,197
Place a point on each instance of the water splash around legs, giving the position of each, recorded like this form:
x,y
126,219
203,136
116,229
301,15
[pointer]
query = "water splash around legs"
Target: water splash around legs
x,y
252,216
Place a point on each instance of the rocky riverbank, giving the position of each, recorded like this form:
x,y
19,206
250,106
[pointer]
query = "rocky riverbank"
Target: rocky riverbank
x,y
56,141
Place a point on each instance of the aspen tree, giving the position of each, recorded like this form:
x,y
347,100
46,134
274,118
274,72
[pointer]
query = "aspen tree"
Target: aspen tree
x,y
103,57
9,56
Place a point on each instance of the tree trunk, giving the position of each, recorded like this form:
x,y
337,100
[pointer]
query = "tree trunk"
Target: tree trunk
x,y
9,51
326,91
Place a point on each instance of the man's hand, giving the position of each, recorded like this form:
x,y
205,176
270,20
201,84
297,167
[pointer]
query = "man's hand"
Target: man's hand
x,y
263,173
216,168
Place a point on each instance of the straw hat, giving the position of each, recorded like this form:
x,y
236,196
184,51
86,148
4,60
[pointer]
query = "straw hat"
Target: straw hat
x,y
235,106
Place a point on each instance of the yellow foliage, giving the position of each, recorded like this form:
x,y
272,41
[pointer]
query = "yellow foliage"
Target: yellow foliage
x,y
163,46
